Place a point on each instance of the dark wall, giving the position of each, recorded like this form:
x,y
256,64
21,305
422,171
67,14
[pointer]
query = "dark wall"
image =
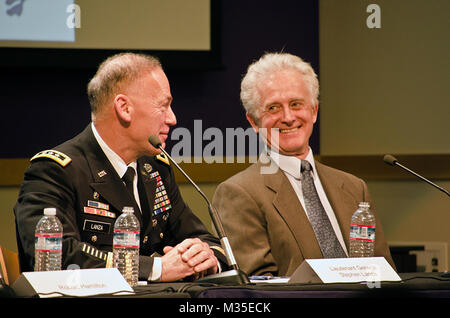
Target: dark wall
x,y
44,107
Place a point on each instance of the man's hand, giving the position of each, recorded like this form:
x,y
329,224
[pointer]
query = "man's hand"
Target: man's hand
x,y
190,257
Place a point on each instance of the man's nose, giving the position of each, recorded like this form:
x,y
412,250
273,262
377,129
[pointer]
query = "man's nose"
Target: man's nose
x,y
288,115
171,119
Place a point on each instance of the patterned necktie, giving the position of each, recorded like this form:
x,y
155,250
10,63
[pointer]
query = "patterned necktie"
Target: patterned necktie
x,y
328,242
128,178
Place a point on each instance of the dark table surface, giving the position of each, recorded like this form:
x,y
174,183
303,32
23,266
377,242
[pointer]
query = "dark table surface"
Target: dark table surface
x,y
411,285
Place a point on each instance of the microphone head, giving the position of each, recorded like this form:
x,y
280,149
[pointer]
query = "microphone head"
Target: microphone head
x,y
154,140
389,159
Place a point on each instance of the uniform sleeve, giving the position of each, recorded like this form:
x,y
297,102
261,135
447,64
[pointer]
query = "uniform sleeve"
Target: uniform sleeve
x,y
246,229
47,184
183,223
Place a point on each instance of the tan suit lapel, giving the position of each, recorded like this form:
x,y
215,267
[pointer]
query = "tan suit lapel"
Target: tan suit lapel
x,y
341,200
288,206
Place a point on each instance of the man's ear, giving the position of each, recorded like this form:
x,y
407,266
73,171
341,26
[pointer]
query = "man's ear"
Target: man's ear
x,y
315,111
252,121
123,107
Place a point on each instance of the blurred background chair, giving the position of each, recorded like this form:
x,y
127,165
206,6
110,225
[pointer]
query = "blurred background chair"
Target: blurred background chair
x,y
9,265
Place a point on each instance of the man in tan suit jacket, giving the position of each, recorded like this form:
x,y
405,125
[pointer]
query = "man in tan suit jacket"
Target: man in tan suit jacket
x,y
262,210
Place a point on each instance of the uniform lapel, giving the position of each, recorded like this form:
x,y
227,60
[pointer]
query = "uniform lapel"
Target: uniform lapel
x,y
106,181
288,206
147,196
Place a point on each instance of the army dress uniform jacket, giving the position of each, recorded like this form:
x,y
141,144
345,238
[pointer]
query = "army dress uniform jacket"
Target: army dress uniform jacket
x,y
78,180
268,228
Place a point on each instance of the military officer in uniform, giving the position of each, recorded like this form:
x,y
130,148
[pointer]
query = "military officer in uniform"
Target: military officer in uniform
x,y
110,165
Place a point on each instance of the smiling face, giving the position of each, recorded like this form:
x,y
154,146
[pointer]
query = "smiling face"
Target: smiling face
x,y
286,104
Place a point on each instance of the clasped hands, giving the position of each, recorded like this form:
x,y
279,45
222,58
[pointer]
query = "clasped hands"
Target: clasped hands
x,y
192,257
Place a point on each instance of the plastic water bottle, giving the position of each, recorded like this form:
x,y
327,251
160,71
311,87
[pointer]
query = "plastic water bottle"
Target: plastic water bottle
x,y
126,245
362,232
48,242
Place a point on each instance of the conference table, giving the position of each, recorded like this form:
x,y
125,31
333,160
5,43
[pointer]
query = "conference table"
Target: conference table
x,y
415,291
418,285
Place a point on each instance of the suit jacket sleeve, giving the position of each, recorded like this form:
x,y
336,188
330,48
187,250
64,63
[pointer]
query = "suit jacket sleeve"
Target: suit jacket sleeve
x,y
246,228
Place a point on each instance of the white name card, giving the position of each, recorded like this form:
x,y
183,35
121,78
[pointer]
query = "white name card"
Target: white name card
x,y
78,282
344,270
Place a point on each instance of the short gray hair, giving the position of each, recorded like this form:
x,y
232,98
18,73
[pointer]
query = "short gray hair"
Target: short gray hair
x,y
269,63
116,70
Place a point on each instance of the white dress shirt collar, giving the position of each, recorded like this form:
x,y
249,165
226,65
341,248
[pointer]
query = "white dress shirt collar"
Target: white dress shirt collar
x,y
116,161
292,165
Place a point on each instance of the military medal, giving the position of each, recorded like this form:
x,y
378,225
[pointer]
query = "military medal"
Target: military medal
x,y
100,212
162,201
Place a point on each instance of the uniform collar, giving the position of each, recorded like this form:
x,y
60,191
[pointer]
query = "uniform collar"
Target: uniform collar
x,y
118,164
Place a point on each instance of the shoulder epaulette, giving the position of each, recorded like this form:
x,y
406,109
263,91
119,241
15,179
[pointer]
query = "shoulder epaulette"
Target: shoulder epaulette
x,y
162,157
57,156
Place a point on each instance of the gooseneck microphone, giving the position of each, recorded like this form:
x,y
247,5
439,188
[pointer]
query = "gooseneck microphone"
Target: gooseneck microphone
x,y
235,276
391,160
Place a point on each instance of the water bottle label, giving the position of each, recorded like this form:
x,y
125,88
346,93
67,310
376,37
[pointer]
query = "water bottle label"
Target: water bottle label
x,y
128,239
360,232
51,242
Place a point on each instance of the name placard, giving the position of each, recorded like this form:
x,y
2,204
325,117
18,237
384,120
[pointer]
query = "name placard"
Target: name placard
x,y
78,282
344,270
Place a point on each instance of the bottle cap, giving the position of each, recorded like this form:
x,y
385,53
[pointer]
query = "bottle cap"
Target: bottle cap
x,y
128,209
49,211
364,204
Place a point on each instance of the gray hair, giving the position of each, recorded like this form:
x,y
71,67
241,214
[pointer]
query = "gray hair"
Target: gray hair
x,y
115,71
268,64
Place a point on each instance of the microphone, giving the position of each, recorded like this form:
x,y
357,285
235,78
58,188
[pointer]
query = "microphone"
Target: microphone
x,y
235,276
391,160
